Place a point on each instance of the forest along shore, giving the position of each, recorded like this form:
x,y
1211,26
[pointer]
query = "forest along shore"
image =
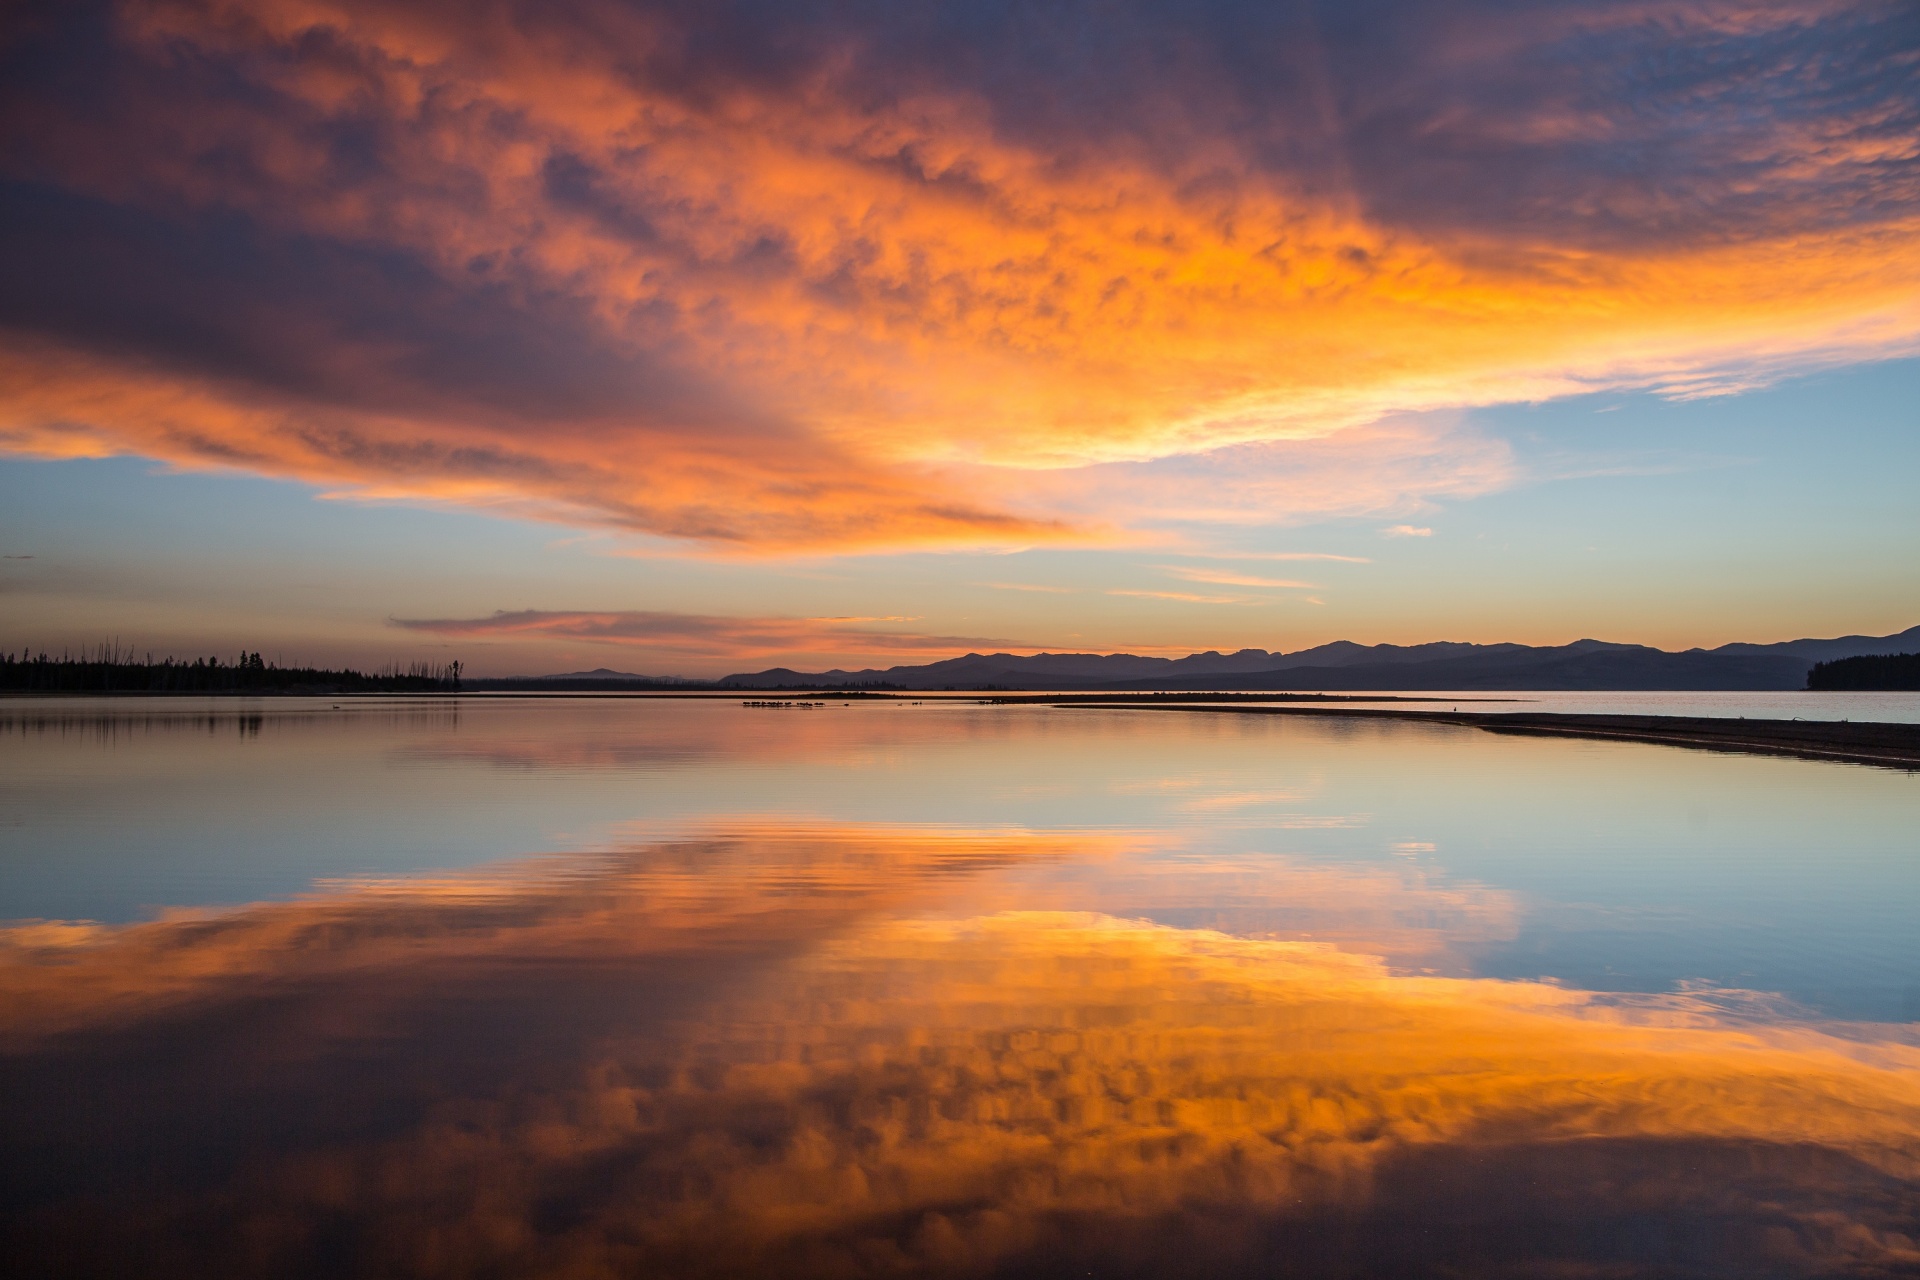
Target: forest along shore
x,y
1890,745
113,671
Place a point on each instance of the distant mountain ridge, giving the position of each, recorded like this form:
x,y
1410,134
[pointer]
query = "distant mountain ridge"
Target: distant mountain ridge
x,y
607,673
599,680
1345,665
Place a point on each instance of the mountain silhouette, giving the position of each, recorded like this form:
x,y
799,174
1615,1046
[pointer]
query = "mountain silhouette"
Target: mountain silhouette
x,y
1345,665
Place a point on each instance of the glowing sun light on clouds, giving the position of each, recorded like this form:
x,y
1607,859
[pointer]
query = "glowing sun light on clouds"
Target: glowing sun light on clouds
x,y
799,277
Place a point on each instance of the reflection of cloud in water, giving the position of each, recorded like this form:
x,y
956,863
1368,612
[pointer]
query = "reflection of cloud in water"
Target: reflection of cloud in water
x,y
733,1056
1410,916
744,890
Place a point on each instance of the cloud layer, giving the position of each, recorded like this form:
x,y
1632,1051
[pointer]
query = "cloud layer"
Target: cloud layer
x,y
856,276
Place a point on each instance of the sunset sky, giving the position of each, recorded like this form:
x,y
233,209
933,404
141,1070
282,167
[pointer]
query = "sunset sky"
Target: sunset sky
x,y
702,337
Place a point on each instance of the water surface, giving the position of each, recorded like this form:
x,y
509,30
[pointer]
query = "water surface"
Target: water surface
x,y
615,986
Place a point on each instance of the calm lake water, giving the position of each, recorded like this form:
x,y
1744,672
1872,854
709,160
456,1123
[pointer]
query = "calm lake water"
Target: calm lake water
x,y
607,987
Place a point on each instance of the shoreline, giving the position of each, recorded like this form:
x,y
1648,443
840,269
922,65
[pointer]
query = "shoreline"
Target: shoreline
x,y
1883,744
995,696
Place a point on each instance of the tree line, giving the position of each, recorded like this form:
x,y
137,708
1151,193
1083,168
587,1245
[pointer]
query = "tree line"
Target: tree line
x,y
110,669
1880,672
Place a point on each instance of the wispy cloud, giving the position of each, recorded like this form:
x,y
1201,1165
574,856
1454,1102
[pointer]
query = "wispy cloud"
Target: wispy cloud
x,y
1387,468
853,617
1275,555
1186,597
1221,577
1406,531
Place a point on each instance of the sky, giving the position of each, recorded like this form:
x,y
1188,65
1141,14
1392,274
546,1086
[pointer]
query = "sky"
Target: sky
x,y
693,338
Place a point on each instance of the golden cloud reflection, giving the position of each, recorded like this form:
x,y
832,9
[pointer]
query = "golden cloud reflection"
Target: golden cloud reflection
x,y
744,889
762,1055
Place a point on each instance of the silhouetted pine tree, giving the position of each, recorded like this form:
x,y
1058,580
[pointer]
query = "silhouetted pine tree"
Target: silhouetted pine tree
x,y
1881,671
110,670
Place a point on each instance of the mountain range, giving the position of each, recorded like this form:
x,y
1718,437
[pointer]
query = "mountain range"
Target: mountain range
x,y
1344,665
608,674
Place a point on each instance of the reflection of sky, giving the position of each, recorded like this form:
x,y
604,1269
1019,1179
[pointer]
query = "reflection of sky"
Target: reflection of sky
x,y
588,987
1612,866
833,1049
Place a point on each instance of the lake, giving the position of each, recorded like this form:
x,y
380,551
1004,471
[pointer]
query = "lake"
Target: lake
x,y
615,986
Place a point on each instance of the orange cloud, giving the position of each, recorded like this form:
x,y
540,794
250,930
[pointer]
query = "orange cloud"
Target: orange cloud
x,y
798,282
645,480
